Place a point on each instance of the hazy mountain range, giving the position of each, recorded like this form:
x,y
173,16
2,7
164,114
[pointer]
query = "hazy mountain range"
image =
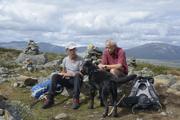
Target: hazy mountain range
x,y
155,51
148,51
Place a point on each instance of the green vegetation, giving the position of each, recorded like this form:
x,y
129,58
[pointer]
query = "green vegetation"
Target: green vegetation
x,y
24,95
156,69
8,56
4,50
54,56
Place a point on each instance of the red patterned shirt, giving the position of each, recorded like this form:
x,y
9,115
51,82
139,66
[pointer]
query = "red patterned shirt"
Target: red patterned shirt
x,y
118,57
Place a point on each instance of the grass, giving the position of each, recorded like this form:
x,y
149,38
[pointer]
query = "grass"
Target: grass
x,y
36,74
61,106
54,56
3,50
8,56
24,94
158,69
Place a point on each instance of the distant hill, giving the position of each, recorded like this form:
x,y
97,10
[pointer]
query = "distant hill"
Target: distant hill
x,y
44,47
155,51
159,51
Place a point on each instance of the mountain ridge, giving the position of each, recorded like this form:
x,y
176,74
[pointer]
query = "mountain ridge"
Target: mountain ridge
x,y
160,51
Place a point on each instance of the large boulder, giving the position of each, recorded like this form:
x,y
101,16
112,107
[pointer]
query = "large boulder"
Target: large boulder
x,y
165,80
175,89
16,110
36,59
53,64
168,89
23,81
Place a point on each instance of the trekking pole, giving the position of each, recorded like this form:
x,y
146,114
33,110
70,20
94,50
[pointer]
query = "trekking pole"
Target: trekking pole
x,y
116,104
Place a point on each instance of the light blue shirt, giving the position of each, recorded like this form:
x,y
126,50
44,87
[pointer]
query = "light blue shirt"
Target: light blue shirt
x,y
72,66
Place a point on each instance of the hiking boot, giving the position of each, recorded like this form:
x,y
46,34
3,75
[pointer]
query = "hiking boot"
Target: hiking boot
x,y
48,103
76,104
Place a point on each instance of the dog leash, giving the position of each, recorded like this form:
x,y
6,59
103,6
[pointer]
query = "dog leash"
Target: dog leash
x,y
116,105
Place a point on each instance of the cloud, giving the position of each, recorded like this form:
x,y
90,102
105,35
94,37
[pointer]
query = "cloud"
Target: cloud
x,y
130,23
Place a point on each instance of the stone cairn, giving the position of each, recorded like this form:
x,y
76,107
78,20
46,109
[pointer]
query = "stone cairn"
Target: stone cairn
x,y
32,48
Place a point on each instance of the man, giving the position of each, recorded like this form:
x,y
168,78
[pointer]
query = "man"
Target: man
x,y
69,77
114,59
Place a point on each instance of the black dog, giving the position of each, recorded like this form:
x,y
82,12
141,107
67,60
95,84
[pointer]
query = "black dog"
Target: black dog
x,y
106,83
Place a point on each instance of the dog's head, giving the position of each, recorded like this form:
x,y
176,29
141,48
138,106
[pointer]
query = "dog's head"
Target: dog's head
x,y
88,67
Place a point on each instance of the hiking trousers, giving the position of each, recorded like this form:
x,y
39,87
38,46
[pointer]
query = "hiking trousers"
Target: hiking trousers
x,y
70,83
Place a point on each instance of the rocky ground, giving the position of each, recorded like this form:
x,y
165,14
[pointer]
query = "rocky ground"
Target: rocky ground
x,y
16,101
17,91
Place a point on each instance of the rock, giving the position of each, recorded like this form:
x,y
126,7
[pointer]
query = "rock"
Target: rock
x,y
21,78
174,92
176,86
39,67
4,74
165,80
61,116
53,64
42,79
163,113
146,72
36,59
139,119
30,81
16,84
131,70
8,116
90,116
2,98
2,118
32,48
65,92
3,70
23,81
1,112
16,110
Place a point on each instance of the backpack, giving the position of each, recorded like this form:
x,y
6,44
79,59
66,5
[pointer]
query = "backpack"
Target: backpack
x,y
143,95
39,90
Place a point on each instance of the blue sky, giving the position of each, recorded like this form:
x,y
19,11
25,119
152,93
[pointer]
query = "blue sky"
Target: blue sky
x,y
129,22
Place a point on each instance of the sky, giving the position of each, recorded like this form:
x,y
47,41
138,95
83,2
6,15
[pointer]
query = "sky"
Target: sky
x,y
128,22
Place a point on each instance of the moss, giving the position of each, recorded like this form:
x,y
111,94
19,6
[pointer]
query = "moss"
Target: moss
x,y
24,95
54,56
157,69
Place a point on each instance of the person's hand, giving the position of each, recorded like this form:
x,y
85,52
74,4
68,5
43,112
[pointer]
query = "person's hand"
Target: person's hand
x,y
101,66
63,74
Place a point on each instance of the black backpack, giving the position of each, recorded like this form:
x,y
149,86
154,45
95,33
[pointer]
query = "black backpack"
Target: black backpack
x,y
143,95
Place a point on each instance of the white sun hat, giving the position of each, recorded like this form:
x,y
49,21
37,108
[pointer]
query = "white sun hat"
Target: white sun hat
x,y
71,46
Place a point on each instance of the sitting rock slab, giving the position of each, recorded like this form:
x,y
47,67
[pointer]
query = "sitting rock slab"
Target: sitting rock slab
x,y
36,59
